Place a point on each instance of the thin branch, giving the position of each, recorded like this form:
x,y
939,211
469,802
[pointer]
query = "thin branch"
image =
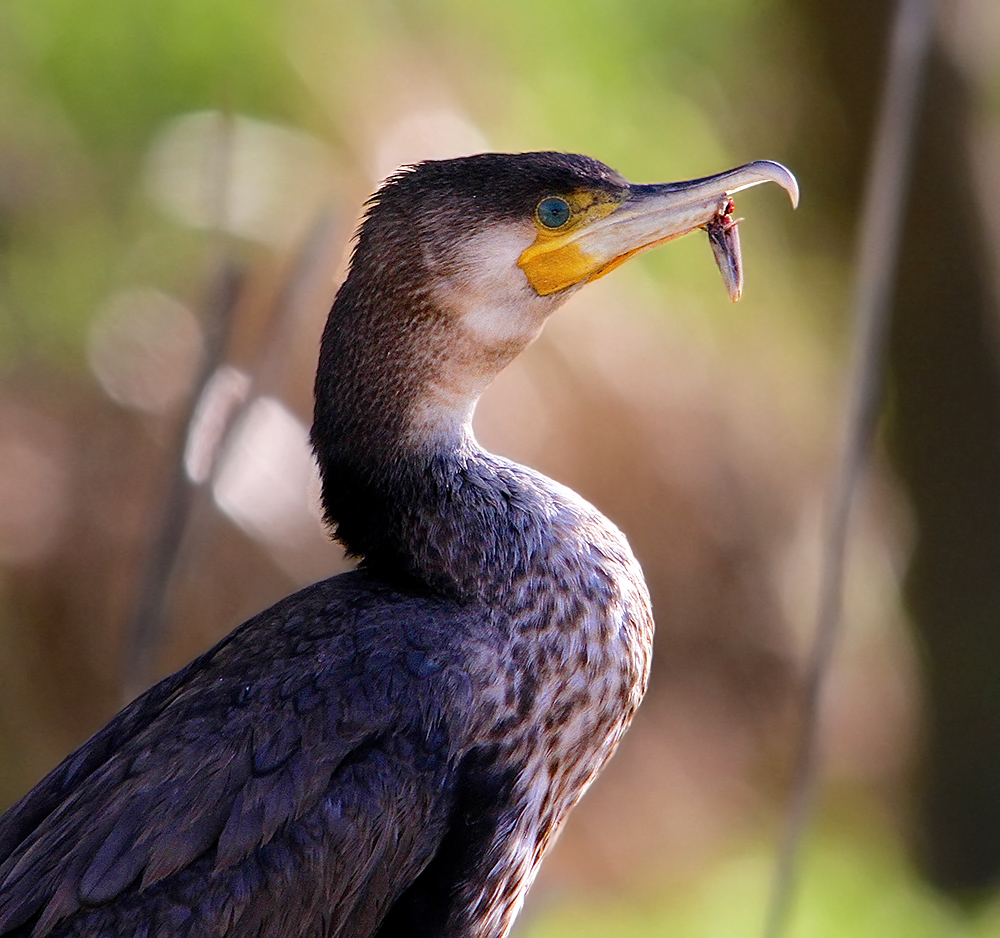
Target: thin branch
x,y
876,264
149,615
294,302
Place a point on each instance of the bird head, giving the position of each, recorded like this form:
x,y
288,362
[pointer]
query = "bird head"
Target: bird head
x,y
458,263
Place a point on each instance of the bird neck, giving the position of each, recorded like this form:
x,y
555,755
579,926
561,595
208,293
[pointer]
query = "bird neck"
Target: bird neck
x,y
405,486
451,521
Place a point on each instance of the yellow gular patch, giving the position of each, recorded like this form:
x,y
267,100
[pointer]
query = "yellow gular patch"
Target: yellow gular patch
x,y
555,261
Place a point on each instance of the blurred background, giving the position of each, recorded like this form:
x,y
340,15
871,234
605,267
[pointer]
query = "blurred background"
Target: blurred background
x,y
179,183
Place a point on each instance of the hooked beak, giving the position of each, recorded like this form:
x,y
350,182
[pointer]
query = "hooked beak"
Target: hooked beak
x,y
651,215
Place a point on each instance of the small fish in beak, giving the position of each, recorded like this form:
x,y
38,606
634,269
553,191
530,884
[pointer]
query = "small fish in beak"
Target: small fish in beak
x,y
725,240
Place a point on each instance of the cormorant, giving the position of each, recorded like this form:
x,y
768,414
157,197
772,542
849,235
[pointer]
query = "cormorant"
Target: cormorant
x,y
391,751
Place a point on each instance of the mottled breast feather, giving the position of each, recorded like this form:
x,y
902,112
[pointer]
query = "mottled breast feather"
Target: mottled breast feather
x,y
561,676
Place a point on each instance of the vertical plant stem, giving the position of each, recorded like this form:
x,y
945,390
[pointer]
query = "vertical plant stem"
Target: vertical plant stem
x,y
875,270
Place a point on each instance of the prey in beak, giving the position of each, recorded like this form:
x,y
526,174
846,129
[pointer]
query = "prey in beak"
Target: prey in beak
x,y
584,234
724,238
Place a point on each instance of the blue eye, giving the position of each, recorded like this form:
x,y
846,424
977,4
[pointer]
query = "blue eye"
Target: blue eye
x,y
553,212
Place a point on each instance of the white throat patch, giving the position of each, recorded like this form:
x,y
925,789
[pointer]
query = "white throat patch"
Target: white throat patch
x,y
490,295
494,313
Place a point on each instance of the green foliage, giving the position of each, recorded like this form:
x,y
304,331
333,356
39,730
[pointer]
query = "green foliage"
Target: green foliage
x,y
117,69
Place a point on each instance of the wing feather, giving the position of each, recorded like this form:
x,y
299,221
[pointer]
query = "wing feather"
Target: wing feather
x,y
284,759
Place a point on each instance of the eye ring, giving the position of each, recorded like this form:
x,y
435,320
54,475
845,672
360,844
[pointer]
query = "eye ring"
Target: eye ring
x,y
553,212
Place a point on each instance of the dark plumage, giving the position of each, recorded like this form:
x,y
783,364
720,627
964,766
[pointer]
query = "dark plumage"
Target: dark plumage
x,y
388,752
